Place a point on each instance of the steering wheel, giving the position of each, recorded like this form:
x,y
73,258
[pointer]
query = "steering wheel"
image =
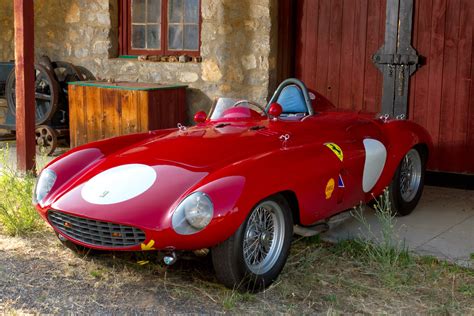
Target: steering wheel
x,y
238,103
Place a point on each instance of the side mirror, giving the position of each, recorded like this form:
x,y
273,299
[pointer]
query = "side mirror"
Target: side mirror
x,y
200,117
275,110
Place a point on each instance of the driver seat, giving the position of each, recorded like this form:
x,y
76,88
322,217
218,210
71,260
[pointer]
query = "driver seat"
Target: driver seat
x,y
292,100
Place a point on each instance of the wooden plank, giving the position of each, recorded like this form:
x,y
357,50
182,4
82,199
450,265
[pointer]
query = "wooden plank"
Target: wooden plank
x,y
322,56
449,146
111,108
359,57
335,43
286,39
372,87
470,117
25,84
383,10
412,89
94,113
77,116
129,112
74,101
312,15
464,112
419,102
348,20
301,32
142,112
436,56
390,47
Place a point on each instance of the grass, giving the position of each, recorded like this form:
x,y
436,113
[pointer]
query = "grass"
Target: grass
x,y
376,275
381,249
318,278
17,214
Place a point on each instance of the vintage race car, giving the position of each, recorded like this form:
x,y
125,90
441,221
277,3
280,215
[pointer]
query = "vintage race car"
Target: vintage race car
x,y
238,183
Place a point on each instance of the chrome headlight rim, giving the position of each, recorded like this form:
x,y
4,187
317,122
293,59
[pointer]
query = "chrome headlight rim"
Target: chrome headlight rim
x,y
44,184
181,222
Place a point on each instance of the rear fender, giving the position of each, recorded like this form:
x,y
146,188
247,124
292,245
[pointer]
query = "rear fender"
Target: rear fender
x,y
402,136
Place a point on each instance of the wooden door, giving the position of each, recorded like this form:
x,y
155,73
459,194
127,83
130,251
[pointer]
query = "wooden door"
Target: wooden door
x,y
442,91
335,41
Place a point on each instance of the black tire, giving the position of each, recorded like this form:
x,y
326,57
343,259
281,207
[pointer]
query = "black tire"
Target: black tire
x,y
400,204
228,259
77,249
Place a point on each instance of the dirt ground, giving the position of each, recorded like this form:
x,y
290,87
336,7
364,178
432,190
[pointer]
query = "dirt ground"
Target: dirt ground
x,y
39,275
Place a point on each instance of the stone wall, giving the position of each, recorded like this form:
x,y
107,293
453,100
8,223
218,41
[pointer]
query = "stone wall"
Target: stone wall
x,y
6,30
238,46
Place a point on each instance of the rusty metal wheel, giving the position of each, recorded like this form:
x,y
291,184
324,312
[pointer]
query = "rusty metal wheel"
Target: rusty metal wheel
x,y
86,74
46,94
46,62
66,72
46,140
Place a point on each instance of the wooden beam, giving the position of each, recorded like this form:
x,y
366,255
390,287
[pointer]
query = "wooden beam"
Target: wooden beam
x,y
25,84
286,39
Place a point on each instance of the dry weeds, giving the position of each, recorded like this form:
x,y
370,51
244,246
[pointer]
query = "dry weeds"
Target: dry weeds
x,y
38,275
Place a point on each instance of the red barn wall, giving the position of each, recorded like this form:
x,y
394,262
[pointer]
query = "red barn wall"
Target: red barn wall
x,y
335,40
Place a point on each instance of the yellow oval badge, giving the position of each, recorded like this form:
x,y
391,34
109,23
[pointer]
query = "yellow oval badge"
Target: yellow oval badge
x,y
330,188
336,150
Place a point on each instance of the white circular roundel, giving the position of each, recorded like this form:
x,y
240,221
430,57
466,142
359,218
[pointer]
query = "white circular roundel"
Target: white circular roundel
x,y
119,184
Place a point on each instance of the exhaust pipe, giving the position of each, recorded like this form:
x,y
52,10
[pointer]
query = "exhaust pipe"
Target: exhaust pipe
x,y
170,259
310,231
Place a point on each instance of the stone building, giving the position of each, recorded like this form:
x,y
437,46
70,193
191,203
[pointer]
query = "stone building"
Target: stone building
x,y
237,46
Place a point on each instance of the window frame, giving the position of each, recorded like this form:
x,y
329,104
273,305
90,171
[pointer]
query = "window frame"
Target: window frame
x,y
125,33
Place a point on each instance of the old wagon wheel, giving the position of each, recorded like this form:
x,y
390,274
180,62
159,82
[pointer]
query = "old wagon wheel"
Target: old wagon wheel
x,y
46,62
46,140
86,74
46,94
66,72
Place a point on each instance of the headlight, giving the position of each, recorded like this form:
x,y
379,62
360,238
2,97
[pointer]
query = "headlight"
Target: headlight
x,y
44,185
193,214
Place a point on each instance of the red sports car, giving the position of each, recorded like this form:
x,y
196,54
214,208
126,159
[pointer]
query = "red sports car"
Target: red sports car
x,y
238,183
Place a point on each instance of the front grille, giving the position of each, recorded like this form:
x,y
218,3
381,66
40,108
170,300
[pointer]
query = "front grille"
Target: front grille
x,y
95,232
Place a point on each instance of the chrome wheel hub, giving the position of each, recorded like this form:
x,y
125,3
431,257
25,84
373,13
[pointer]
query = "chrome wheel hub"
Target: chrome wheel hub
x,y
263,238
410,175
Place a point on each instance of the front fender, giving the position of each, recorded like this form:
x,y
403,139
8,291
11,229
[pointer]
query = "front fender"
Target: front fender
x,y
82,158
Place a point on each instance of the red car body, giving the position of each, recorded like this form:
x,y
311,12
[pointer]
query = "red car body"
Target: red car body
x,y
237,163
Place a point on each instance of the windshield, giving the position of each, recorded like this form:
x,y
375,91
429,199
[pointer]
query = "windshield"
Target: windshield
x,y
231,108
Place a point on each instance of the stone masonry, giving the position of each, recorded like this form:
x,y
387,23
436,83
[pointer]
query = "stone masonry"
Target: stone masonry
x,y
238,46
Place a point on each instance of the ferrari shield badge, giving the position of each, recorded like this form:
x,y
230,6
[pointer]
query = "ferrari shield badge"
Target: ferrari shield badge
x,y
336,150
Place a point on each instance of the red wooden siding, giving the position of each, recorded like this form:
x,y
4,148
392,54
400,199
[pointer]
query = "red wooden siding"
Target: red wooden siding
x,y
442,92
335,40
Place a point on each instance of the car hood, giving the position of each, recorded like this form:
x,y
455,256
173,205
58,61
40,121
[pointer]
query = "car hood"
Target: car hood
x,y
180,160
210,147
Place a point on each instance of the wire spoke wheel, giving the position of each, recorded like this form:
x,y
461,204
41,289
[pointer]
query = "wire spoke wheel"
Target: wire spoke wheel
x,y
410,175
264,237
253,257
